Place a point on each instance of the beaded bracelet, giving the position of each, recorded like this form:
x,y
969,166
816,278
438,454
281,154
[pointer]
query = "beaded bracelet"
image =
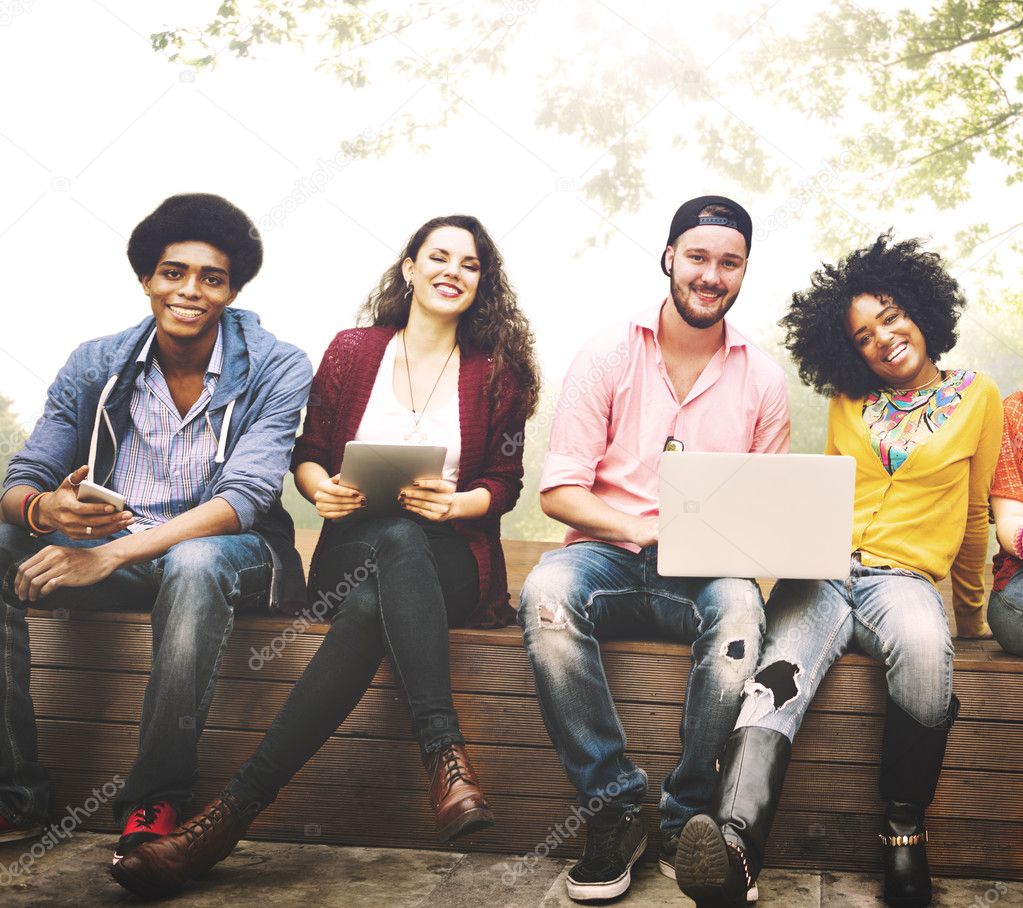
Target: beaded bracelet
x,y
1018,542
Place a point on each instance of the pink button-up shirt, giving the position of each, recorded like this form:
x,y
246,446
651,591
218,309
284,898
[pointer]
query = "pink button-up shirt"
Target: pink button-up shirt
x,y
618,407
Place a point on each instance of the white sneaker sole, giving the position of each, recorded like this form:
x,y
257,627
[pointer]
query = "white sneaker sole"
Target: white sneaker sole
x,y
589,892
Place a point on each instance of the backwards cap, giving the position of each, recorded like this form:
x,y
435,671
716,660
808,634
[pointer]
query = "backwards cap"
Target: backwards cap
x,y
688,216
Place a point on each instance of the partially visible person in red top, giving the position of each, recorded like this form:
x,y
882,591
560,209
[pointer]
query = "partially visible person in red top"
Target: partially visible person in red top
x,y
1005,607
448,360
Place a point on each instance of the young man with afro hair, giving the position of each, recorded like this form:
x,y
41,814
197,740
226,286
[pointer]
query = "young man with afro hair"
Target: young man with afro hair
x,y
189,418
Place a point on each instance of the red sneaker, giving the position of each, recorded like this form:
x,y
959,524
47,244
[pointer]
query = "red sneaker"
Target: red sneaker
x,y
148,822
11,833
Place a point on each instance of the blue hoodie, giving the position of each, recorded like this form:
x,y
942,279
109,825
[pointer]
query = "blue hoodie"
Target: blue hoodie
x,y
255,413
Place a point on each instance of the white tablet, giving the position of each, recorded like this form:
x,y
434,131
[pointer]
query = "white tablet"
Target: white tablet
x,y
380,471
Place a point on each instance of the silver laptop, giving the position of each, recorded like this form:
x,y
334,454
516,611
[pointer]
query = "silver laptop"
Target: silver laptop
x,y
755,515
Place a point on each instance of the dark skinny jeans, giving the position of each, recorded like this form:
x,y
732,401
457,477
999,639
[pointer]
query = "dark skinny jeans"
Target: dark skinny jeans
x,y
404,580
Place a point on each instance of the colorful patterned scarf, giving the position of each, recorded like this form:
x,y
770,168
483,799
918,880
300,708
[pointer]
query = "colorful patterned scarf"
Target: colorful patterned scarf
x,y
900,421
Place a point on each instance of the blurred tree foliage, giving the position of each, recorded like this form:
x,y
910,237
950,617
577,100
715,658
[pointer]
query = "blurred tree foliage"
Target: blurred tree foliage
x,y
919,101
12,435
347,39
936,98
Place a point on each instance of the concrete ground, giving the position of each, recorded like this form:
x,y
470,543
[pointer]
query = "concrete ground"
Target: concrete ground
x,y
74,874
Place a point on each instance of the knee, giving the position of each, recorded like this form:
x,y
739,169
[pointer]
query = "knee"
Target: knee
x,y
400,534
199,564
773,688
922,652
546,603
1005,615
920,680
361,606
732,619
194,556
13,543
731,602
11,536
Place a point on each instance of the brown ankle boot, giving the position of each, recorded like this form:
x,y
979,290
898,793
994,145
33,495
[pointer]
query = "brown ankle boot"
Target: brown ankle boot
x,y
161,867
455,795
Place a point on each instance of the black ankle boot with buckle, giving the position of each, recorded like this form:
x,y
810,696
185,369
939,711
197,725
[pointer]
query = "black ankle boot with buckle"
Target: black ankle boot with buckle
x,y
911,757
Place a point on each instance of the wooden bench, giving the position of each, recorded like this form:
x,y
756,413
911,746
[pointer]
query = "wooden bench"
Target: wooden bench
x,y
366,786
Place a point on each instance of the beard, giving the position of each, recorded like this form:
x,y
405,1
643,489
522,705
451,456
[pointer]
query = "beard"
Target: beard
x,y
699,317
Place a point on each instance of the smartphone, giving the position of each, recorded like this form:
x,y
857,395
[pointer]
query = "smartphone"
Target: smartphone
x,y
94,493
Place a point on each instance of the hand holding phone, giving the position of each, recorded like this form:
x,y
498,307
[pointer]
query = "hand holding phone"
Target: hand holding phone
x,y
94,493
80,517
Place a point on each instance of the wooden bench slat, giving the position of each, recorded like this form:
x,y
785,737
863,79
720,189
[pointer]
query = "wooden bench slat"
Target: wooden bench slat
x,y
851,686
514,771
102,697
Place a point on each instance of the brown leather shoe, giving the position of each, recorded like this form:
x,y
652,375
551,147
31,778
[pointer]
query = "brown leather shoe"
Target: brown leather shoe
x,y
161,867
455,795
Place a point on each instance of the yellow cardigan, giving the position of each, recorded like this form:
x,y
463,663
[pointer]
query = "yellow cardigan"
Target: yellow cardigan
x,y
932,514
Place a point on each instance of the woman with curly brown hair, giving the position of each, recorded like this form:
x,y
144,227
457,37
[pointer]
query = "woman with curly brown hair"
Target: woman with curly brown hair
x,y
867,335
447,357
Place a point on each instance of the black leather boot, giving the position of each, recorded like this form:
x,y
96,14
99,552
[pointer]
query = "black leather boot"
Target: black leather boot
x,y
911,757
720,856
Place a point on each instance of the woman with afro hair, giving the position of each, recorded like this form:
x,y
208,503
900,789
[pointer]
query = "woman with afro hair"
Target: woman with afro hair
x,y
868,334
445,357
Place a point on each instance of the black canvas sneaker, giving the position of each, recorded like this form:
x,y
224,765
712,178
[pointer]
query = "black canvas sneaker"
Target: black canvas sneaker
x,y
615,839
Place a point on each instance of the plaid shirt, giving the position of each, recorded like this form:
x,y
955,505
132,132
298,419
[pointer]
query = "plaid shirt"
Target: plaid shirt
x,y
165,460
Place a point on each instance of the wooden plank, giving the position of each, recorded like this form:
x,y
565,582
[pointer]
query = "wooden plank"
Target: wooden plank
x,y
853,684
65,638
506,720
366,816
846,787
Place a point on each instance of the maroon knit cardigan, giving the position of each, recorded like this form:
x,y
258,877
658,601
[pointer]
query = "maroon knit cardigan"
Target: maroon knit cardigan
x,y
491,457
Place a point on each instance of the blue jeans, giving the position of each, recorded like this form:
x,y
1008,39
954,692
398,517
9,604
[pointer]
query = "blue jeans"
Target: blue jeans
x,y
192,591
894,616
593,590
1005,615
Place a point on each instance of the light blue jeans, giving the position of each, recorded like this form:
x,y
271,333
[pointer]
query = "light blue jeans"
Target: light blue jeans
x,y
894,616
593,590
192,591
1005,615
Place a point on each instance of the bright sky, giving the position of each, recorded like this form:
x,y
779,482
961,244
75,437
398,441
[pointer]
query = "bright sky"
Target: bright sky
x,y
98,129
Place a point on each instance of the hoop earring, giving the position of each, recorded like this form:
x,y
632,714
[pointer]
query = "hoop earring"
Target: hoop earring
x,y
408,290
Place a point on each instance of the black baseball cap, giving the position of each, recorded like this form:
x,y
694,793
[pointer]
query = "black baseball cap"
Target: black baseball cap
x,y
688,216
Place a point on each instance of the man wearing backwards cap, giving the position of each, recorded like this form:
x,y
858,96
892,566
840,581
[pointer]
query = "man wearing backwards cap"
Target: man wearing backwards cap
x,y
675,376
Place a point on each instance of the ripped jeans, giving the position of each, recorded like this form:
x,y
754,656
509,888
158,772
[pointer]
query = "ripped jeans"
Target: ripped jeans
x,y
894,616
594,590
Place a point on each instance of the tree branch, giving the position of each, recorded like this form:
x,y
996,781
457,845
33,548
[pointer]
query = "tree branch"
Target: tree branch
x,y
973,39
962,140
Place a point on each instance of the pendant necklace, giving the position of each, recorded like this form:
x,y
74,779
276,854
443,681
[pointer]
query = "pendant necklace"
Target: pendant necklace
x,y
416,435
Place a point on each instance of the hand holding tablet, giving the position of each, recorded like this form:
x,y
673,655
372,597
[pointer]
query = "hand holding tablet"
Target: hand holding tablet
x,y
334,500
429,498
378,473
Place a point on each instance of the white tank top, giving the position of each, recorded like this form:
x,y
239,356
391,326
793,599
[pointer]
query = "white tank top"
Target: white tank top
x,y
388,421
